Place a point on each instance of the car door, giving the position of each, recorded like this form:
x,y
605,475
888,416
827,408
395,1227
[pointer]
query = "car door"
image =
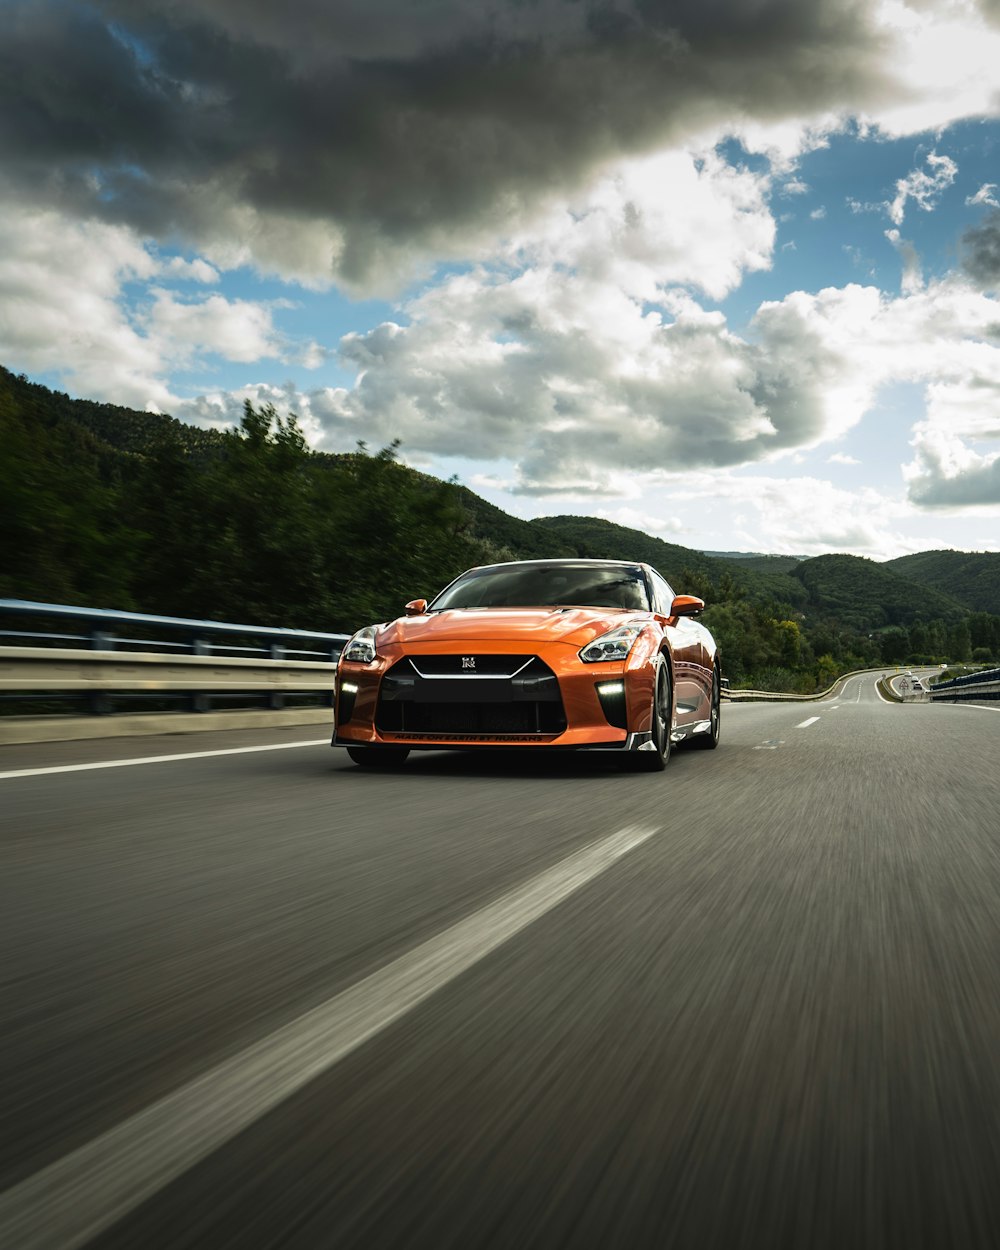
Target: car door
x,y
692,664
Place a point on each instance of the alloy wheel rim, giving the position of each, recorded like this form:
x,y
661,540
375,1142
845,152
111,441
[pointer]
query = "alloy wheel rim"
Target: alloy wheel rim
x,y
661,713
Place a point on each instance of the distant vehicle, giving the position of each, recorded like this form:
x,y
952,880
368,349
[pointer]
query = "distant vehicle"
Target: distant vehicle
x,y
590,654
917,684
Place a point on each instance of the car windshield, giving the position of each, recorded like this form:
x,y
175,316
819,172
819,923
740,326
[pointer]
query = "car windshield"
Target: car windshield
x,y
548,585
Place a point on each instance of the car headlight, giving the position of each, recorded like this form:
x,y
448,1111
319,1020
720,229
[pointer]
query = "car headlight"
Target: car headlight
x,y
361,648
614,645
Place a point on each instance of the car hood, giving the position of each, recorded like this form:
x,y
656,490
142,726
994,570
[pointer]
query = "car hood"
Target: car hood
x,y
521,626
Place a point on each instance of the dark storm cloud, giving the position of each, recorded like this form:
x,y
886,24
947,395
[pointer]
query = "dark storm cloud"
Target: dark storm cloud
x,y
977,486
981,252
401,125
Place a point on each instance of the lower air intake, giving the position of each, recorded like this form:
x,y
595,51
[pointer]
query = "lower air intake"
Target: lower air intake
x,y
525,705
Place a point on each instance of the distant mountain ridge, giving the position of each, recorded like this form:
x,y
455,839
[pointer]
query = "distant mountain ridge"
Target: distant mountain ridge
x,y
754,555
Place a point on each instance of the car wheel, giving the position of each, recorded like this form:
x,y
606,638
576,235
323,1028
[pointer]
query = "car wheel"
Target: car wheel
x,y
662,722
378,757
709,741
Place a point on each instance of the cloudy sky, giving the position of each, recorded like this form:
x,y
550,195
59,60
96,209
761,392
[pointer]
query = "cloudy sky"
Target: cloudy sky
x,y
725,271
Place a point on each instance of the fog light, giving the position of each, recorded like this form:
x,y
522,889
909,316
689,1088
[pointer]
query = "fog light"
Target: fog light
x,y
346,695
612,697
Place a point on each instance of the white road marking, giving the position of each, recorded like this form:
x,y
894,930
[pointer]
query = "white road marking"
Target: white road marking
x,y
881,695
84,1193
771,744
806,723
157,759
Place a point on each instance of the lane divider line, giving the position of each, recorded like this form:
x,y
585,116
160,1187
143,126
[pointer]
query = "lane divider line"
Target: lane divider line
x,y
880,694
157,759
81,1195
806,723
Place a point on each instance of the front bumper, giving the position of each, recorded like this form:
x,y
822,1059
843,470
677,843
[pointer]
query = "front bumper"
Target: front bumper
x,y
425,700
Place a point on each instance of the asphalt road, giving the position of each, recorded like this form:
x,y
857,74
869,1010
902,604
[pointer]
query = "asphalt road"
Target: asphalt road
x,y
266,998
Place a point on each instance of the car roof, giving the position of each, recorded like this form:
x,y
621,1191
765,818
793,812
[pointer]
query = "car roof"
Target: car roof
x,y
563,560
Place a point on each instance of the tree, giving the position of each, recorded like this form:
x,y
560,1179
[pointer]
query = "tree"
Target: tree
x,y
64,540
959,642
827,672
895,644
789,642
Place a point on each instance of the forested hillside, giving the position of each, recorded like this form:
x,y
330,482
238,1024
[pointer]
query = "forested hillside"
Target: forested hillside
x,y
762,563
868,596
104,507
247,525
971,577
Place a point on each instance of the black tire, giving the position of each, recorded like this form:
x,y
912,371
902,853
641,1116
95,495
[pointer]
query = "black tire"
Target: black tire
x,y
378,757
663,718
710,740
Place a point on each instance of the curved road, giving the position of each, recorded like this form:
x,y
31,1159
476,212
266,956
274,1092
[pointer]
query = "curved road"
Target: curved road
x,y
262,998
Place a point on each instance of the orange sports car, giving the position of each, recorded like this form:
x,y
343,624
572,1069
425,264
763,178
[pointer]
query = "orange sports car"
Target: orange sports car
x,y
598,655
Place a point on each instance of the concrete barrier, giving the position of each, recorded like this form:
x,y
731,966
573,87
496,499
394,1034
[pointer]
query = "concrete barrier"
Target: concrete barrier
x,y
28,729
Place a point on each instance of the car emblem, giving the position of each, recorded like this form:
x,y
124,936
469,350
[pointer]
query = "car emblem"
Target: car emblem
x,y
468,661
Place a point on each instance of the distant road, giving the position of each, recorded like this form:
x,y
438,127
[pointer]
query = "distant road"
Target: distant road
x,y
263,998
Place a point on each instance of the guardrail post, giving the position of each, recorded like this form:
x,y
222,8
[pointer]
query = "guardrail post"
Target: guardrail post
x,y
276,701
200,702
99,702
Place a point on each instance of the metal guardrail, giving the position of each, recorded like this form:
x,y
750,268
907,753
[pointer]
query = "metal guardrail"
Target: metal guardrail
x,y
773,696
981,687
110,630
200,663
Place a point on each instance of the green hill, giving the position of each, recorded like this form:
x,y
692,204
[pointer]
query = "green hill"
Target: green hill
x,y
114,429
688,571
597,539
971,577
865,595
512,537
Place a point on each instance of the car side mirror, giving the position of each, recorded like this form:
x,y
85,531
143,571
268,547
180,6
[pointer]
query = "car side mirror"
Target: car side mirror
x,y
416,607
686,605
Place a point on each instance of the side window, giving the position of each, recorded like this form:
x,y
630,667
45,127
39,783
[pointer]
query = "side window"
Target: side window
x,y
663,592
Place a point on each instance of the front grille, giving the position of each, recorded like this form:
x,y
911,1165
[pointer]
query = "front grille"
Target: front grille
x,y
520,698
468,666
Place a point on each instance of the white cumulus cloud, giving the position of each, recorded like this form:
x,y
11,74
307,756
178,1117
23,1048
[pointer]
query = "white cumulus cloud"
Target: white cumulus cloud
x,y
923,186
987,194
61,307
234,329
